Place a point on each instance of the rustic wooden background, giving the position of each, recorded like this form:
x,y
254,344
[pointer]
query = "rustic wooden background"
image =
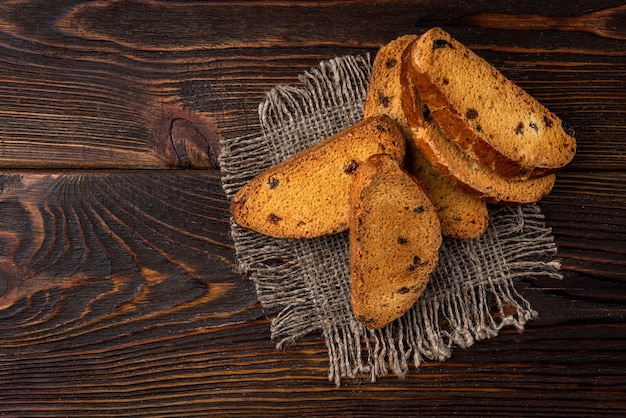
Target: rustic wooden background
x,y
117,289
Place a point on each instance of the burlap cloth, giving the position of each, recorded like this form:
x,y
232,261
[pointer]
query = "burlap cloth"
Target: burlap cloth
x,y
305,283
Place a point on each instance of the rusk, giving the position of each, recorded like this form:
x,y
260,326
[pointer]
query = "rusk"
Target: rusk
x,y
449,160
394,241
462,215
384,92
307,195
484,113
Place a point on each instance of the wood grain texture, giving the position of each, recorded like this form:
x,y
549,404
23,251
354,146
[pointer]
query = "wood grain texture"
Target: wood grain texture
x,y
99,84
608,23
142,234
118,294
193,374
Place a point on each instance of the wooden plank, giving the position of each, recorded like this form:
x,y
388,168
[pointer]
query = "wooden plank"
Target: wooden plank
x,y
587,213
82,89
235,371
114,245
59,230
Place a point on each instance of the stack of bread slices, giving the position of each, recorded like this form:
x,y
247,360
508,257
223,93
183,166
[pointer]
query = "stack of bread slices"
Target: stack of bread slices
x,y
444,133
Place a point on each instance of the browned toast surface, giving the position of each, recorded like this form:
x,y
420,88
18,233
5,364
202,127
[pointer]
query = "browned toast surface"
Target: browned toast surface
x,y
484,113
394,241
462,215
449,160
307,195
384,92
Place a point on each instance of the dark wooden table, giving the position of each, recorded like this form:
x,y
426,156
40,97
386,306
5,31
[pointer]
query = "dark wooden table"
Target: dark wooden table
x,y
117,289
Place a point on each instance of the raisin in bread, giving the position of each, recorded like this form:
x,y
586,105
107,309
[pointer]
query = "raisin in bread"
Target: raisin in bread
x,y
484,113
384,91
462,215
394,241
307,195
449,160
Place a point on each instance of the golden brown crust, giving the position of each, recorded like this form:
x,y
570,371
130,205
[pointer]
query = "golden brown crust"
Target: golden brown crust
x,y
306,196
449,160
462,215
394,241
459,132
517,157
384,92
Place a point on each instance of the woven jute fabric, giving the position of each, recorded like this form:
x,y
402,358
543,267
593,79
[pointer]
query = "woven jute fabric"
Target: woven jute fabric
x,y
304,284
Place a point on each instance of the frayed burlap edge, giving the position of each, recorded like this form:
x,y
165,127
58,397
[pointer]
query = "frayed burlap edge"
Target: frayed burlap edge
x,y
305,283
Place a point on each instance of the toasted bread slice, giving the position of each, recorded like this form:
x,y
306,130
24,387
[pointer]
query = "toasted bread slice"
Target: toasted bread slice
x,y
384,92
462,215
449,160
307,195
394,241
484,113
